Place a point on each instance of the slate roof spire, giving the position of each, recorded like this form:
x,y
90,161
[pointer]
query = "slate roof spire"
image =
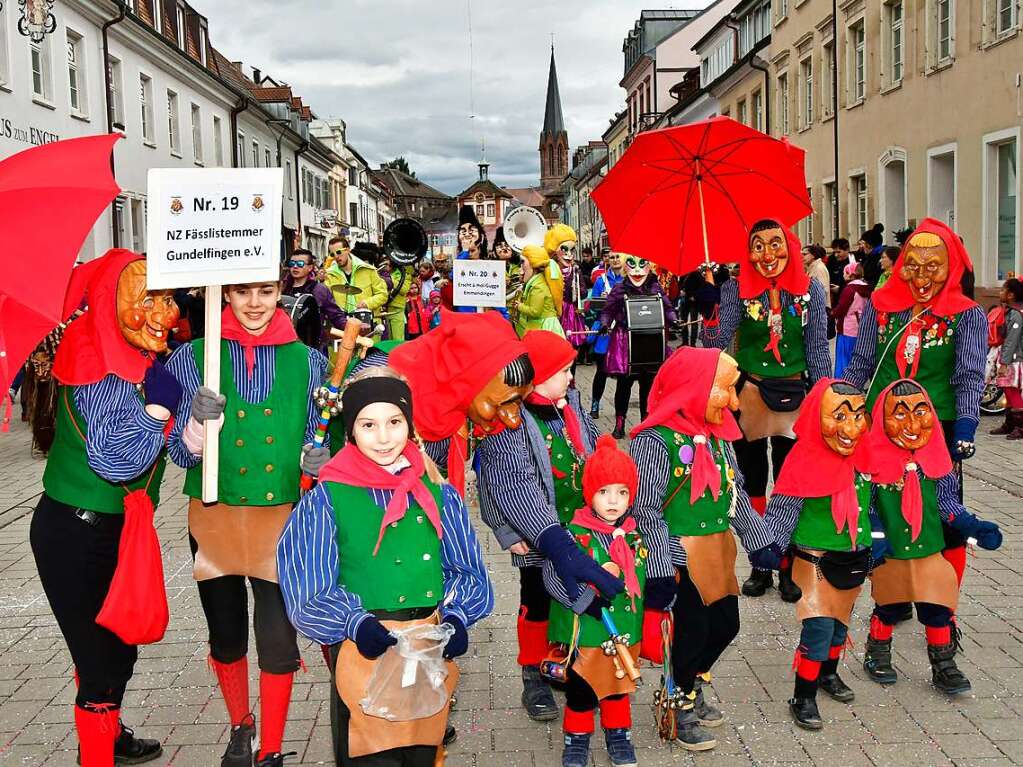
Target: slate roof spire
x,y
553,120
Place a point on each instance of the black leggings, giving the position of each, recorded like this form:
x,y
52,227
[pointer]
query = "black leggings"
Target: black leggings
x,y
752,458
225,601
599,378
533,594
623,392
702,632
76,561
579,696
935,616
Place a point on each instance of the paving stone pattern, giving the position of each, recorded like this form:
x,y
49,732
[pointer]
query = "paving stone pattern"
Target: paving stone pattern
x,y
173,695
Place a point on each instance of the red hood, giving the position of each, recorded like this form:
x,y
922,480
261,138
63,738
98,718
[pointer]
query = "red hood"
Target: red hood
x,y
793,280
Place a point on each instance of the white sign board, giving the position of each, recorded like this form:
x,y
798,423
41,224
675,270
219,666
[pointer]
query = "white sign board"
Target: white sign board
x,y
479,283
213,226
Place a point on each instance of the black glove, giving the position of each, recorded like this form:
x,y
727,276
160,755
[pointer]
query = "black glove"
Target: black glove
x,y
593,608
987,534
659,593
767,558
161,388
373,639
459,642
573,567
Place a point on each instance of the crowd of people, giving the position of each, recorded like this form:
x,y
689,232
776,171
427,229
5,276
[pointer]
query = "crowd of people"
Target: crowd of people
x,y
826,475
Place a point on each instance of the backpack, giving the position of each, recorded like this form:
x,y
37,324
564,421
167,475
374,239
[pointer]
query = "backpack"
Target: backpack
x,y
996,326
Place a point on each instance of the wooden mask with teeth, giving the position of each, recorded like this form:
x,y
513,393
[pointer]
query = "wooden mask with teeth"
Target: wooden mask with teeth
x,y
147,317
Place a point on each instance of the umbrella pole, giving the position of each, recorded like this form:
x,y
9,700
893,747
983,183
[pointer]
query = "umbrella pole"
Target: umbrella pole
x,y
708,273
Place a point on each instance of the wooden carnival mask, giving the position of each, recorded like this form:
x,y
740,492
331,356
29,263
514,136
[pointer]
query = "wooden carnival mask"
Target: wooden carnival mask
x,y
469,237
769,252
908,419
146,317
925,267
498,401
722,391
565,254
843,420
637,269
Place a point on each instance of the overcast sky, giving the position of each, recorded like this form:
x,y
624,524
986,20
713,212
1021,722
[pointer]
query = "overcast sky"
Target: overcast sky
x,y
397,72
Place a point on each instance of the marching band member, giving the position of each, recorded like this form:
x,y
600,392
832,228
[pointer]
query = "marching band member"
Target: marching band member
x,y
690,485
779,320
604,280
540,306
267,381
382,543
348,269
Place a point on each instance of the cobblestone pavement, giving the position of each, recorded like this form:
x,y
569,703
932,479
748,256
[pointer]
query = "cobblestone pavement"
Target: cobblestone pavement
x,y
173,697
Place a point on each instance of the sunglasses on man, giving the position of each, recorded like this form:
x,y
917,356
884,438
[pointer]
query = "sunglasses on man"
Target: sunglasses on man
x,y
297,264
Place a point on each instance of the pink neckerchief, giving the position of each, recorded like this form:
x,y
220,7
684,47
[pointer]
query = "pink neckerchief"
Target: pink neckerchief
x,y
620,551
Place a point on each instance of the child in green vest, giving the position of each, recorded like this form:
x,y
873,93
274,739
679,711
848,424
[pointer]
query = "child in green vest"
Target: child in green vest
x,y
821,503
606,532
915,491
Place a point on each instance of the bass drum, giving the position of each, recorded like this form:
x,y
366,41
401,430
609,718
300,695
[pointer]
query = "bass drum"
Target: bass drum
x,y
305,318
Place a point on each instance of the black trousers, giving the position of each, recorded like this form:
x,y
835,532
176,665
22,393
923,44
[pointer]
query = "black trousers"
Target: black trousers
x,y
76,560
225,602
935,616
702,632
410,756
623,392
579,696
599,378
533,594
752,458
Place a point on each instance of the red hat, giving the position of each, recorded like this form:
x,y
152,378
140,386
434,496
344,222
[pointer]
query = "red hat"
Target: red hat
x,y
609,466
549,353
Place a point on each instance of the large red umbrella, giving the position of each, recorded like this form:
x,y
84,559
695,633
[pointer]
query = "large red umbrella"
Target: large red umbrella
x,y
50,197
685,197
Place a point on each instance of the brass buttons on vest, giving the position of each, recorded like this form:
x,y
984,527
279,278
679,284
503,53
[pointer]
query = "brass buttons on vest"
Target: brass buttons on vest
x,y
397,561
419,518
243,499
429,595
268,411
239,443
402,598
241,413
269,496
269,440
426,557
269,468
243,470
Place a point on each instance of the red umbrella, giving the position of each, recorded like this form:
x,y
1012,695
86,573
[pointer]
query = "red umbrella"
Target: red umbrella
x,y
51,196
685,197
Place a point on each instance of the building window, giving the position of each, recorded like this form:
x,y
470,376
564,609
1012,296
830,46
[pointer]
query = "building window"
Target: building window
x,y
76,74
1001,203
203,43
479,211
218,141
1006,18
197,134
255,154
4,63
146,107
115,96
353,177
267,160
806,96
783,10
757,111
491,210
158,16
783,103
944,19
138,225
120,223
740,112
173,124
288,189
41,81
828,80
240,149
941,184
895,42
181,31
829,224
857,46
353,213
858,191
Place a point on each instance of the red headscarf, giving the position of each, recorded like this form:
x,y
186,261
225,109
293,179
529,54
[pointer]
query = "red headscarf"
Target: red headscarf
x,y
678,400
814,470
888,463
93,345
279,331
793,279
446,368
895,295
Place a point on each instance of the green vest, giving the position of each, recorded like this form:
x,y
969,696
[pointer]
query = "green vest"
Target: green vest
x,y
816,527
68,478
628,620
937,361
568,474
706,516
406,572
888,504
260,444
753,337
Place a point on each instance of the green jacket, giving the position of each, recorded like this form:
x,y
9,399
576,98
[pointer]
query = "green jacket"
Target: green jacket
x,y
536,308
364,276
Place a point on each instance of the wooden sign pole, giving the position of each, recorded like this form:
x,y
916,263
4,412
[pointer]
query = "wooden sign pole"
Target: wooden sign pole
x,y
211,380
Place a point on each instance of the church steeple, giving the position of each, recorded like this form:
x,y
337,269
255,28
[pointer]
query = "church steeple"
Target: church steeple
x,y
553,137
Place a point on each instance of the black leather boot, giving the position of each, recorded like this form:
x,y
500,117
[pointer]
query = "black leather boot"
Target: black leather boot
x,y
877,661
788,589
803,704
595,409
1006,427
131,750
832,683
619,430
758,583
945,674
537,698
239,748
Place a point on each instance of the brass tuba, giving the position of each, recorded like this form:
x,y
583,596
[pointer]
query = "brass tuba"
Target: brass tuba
x,y
405,241
524,226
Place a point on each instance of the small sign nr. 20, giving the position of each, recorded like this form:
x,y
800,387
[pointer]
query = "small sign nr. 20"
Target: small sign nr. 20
x,y
479,283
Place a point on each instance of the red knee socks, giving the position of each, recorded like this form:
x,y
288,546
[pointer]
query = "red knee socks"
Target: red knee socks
x,y
97,731
759,504
234,686
616,713
938,637
274,699
807,669
532,640
578,722
879,629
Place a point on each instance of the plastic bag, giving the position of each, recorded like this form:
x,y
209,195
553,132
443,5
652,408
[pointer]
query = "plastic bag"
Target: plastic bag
x,y
408,680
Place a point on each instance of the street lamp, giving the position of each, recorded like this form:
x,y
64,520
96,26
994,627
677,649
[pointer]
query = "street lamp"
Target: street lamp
x,y
37,19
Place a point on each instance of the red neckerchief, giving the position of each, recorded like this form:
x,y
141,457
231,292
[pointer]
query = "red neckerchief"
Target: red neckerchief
x,y
351,467
620,552
573,429
280,331
907,353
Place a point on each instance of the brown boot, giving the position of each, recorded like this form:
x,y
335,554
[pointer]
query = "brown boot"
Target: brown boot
x,y
1006,427
1017,425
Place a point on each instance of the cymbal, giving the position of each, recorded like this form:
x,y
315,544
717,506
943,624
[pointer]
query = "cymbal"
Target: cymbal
x,y
346,290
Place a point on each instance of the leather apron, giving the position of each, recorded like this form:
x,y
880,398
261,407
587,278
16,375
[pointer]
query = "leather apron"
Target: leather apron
x,y
820,598
370,734
927,579
598,671
236,540
710,560
757,420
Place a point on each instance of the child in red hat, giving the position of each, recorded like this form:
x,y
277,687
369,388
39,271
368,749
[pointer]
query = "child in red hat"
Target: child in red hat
x,y
606,532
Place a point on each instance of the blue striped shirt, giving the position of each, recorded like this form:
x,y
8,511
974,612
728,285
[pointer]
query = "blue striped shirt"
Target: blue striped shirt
x,y
253,389
121,439
308,566
652,459
815,332
966,378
